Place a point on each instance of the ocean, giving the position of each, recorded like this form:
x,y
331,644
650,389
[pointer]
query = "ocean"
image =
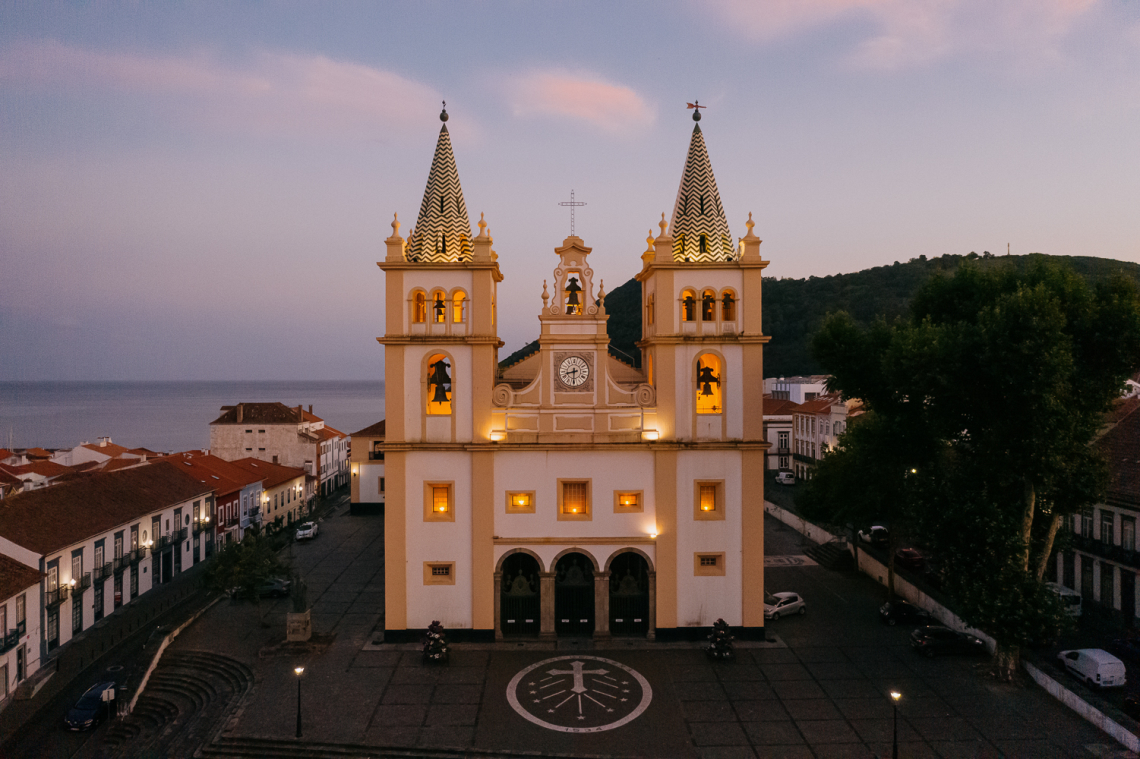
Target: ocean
x,y
164,416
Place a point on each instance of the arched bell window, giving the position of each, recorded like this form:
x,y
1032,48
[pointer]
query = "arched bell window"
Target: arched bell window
x,y
458,305
439,385
438,307
573,295
728,306
688,306
419,308
710,390
708,306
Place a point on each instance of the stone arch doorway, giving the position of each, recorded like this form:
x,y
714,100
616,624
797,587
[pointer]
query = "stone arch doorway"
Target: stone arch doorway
x,y
574,595
629,594
520,604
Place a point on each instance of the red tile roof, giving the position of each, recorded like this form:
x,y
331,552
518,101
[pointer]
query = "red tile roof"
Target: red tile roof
x,y
272,474
218,473
108,449
1120,446
15,578
38,453
376,430
328,433
4,453
42,468
48,519
779,407
265,413
818,405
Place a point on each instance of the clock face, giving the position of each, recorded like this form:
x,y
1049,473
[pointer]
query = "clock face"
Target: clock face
x,y
574,371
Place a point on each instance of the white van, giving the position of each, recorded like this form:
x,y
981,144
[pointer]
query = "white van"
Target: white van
x,y
785,478
1069,597
1094,666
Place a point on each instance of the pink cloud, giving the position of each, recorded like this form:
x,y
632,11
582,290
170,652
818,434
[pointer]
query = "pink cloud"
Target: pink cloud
x,y
270,93
585,97
913,32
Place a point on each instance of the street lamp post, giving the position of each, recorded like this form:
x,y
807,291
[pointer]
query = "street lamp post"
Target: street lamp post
x,y
895,695
299,671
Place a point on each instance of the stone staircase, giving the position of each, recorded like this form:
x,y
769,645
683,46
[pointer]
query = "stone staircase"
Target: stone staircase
x,y
190,693
284,748
833,555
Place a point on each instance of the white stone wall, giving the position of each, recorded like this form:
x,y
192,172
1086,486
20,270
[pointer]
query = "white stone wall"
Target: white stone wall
x,y
29,641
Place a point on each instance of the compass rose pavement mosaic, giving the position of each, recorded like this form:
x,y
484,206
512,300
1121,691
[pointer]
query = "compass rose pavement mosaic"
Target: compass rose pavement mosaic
x,y
579,694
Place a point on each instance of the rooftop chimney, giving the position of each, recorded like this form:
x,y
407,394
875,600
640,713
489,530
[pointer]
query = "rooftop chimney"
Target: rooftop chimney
x,y
310,408
239,412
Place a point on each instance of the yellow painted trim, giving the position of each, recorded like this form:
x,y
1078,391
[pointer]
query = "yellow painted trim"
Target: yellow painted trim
x,y
752,537
636,509
482,535
513,508
395,543
615,541
665,493
584,517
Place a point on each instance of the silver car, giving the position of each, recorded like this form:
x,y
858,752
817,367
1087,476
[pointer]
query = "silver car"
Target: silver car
x,y
778,605
307,531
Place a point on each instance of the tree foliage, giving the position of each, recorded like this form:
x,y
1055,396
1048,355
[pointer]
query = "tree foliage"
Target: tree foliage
x,y
995,385
244,566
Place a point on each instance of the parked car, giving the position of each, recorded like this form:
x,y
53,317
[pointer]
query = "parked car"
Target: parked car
x,y
875,535
893,612
307,531
910,558
778,605
91,707
274,587
785,478
934,641
1132,705
1097,667
1126,649
1069,597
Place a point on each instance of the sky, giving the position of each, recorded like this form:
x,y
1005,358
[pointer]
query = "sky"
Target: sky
x,y
201,190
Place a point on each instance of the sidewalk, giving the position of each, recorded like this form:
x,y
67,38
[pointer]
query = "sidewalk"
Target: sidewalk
x,y
79,658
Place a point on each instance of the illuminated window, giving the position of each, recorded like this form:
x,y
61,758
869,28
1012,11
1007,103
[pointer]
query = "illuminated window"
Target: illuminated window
x,y
439,502
627,501
710,394
572,295
419,308
708,305
458,301
688,306
438,306
520,502
574,499
439,385
708,500
728,306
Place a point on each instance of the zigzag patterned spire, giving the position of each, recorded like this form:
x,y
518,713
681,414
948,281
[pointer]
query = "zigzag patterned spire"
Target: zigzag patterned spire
x,y
700,231
443,231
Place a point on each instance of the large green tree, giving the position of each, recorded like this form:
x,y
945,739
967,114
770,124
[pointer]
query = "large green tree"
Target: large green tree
x,y
996,384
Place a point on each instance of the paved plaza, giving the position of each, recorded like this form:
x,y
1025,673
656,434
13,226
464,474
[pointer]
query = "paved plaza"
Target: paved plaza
x,y
820,690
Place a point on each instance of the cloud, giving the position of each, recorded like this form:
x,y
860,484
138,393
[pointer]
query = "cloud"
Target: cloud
x,y
902,33
563,95
296,95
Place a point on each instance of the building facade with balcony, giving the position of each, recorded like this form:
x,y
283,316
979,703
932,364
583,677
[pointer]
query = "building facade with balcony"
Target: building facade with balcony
x,y
103,539
816,427
1102,561
235,487
778,432
282,492
19,624
367,467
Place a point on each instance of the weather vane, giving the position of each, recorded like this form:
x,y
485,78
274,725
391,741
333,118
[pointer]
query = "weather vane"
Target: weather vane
x,y
573,204
696,106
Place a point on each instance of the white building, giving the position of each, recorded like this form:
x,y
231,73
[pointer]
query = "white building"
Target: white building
x,y
573,494
816,427
796,389
19,623
778,432
103,539
368,484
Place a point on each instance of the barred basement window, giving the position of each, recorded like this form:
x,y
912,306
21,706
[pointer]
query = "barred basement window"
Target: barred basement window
x,y
446,571
708,564
439,573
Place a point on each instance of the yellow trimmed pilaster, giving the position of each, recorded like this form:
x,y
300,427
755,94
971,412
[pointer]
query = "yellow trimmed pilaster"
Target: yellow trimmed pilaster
x,y
752,537
665,485
395,541
482,540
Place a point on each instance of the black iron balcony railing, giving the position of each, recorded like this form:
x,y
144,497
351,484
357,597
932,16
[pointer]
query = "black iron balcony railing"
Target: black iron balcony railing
x,y
100,572
119,563
84,583
180,535
57,596
9,640
376,455
1119,554
163,541
232,522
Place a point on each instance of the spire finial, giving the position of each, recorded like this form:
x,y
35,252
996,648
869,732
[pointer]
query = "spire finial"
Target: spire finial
x,y
602,290
443,113
395,224
649,241
545,295
663,224
696,106
750,224
483,225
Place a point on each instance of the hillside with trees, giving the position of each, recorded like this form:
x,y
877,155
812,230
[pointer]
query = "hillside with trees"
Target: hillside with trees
x,y
794,309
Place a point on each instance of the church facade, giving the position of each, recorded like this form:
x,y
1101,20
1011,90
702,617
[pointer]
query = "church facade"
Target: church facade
x,y
572,494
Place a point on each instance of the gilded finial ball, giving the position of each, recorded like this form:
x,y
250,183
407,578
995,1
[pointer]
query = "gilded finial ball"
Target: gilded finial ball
x,y
696,115
443,113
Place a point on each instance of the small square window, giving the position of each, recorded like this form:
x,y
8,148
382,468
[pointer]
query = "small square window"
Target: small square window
x,y
628,501
574,500
708,499
520,501
708,564
439,573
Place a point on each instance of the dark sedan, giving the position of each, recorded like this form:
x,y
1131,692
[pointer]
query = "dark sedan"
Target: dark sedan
x,y
936,641
894,612
91,707
910,558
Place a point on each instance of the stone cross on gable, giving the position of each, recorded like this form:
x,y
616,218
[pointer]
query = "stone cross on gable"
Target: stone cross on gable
x,y
578,672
